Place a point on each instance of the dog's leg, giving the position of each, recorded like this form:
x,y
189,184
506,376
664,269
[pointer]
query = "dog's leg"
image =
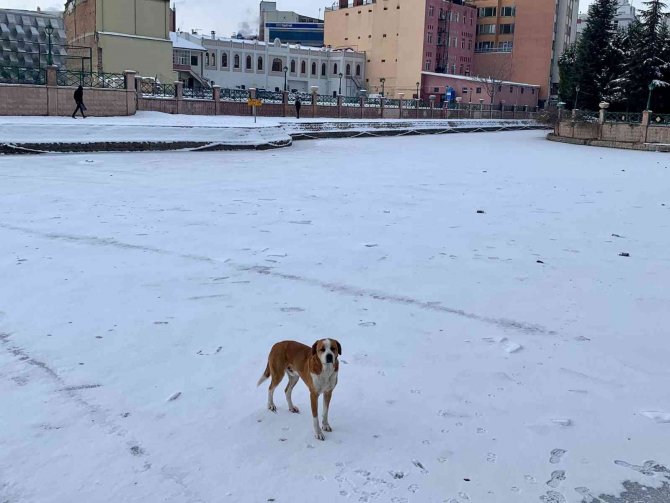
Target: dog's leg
x,y
326,403
292,381
314,399
276,379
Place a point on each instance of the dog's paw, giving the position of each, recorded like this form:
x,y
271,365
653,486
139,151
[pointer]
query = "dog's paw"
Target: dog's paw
x,y
272,407
319,435
326,427
294,409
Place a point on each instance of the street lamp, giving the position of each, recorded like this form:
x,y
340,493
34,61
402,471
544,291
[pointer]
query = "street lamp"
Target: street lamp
x,y
49,29
651,88
417,90
285,83
340,76
382,80
576,97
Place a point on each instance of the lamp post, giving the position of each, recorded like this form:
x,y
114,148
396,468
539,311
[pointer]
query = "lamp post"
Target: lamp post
x,y
651,88
576,97
340,76
49,29
382,80
417,90
285,81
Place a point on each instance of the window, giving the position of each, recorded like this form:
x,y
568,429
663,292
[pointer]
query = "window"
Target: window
x,y
293,66
533,91
461,69
506,29
430,38
249,65
236,61
358,70
313,68
486,29
469,43
224,60
335,69
487,12
507,11
522,90
303,67
462,43
464,90
427,66
207,59
194,60
213,59
323,69
348,70
276,65
431,11
260,64
511,89
436,89
479,90
181,57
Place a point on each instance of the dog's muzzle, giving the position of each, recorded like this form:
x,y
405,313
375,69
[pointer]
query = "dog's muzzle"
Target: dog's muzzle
x,y
329,358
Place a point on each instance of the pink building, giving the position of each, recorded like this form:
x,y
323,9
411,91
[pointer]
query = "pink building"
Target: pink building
x,y
449,38
472,90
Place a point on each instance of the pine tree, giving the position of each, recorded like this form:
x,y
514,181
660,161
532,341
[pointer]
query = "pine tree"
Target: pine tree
x,y
566,71
651,50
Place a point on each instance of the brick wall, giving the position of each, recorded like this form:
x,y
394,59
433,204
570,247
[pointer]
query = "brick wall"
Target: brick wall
x,y
23,100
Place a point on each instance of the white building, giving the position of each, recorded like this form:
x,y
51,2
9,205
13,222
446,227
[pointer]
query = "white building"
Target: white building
x,y
565,33
243,64
188,60
625,15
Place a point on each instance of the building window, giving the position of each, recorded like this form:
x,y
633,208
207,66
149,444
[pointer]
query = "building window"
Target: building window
x,y
260,63
335,69
430,38
486,29
194,60
427,65
224,60
479,90
276,65
462,43
436,89
293,66
431,11
213,59
207,59
487,12
236,61
358,70
522,90
181,57
303,68
313,68
348,70
511,89
507,11
323,69
533,91
249,65
506,29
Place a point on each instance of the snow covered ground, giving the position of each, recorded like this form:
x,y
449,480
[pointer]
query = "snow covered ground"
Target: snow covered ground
x,y
496,346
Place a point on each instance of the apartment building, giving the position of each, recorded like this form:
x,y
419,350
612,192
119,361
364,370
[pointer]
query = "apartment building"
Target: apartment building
x,y
243,64
522,40
288,26
402,38
123,35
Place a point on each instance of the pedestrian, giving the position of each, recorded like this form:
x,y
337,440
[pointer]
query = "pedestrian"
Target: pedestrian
x,y
298,104
79,100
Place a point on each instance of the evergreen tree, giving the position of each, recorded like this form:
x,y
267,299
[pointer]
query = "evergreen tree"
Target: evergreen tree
x,y
566,71
651,51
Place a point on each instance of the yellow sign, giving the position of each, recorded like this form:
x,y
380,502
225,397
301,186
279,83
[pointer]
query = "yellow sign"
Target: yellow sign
x,y
254,103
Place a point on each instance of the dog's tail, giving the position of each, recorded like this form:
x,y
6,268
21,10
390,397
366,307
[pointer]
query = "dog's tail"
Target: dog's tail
x,y
265,376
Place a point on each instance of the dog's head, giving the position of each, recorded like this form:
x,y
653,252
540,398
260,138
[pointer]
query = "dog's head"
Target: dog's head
x,y
327,350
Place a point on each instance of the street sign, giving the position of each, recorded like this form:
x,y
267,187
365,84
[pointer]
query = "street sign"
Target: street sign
x,y
254,103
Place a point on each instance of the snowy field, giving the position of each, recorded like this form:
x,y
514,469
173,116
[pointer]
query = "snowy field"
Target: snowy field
x,y
496,346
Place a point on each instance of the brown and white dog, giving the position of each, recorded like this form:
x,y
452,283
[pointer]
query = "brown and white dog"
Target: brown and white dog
x,y
317,366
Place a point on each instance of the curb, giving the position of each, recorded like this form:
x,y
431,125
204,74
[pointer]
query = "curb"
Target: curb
x,y
645,147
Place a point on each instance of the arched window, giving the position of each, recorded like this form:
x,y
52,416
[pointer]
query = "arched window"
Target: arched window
x,y
293,66
303,68
224,60
207,59
260,63
249,65
236,61
358,70
213,59
348,69
313,68
276,65
323,69
335,69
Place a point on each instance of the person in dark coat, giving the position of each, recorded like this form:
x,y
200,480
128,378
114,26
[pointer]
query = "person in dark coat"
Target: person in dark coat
x,y
79,100
298,104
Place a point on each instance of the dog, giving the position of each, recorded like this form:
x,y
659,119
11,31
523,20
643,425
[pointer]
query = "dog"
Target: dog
x,y
317,366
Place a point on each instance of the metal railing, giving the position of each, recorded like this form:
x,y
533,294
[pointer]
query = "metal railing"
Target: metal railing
x,y
391,103
328,101
270,96
197,94
623,117
20,75
659,120
69,78
351,101
372,102
154,89
305,98
237,95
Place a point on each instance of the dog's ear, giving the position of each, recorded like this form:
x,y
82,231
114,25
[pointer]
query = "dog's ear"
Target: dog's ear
x,y
339,348
314,347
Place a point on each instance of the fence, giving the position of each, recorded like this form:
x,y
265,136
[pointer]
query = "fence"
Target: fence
x,y
69,78
20,75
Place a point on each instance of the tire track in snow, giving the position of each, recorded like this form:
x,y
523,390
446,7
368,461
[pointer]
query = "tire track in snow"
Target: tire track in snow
x,y
341,288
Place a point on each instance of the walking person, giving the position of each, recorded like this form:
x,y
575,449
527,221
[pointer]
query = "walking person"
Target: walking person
x,y
79,100
298,104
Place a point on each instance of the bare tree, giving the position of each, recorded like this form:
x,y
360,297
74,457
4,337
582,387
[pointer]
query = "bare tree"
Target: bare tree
x,y
498,72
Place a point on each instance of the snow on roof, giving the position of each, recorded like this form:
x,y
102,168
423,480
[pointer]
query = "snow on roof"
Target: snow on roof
x,y
478,79
182,43
204,38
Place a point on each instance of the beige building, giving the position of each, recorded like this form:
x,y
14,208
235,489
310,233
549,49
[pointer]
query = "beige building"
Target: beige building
x,y
123,35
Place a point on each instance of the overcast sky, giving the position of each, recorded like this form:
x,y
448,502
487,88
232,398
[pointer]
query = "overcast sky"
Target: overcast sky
x,y
223,16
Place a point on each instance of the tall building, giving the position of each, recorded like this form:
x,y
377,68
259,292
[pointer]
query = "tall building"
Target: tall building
x,y
288,26
625,15
402,38
123,35
522,40
24,41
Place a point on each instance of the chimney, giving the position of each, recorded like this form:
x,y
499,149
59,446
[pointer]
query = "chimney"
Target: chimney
x,y
38,9
344,4
213,35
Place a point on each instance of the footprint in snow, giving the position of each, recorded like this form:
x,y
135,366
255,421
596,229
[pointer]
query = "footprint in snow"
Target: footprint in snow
x,y
557,477
648,468
553,497
556,456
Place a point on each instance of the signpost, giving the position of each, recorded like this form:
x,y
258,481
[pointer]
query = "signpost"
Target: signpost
x,y
253,103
